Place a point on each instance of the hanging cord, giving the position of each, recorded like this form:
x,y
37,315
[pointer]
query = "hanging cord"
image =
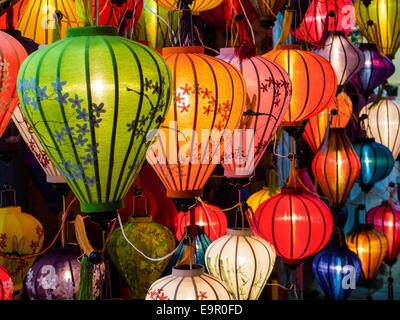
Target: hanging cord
x,y
201,41
292,287
390,284
208,216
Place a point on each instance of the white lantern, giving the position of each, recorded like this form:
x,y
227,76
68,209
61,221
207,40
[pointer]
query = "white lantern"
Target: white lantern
x,y
383,123
243,261
187,283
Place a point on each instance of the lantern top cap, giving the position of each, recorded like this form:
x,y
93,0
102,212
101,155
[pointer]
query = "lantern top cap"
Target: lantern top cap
x,y
11,209
336,33
188,49
291,190
140,219
368,46
239,232
92,31
184,270
289,46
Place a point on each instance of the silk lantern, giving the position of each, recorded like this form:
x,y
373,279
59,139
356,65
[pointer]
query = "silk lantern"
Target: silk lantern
x,y
40,18
12,55
267,11
375,71
6,285
383,123
298,225
345,58
195,6
12,13
209,96
336,167
213,221
188,282
268,98
255,200
20,235
151,238
56,276
111,11
314,82
387,219
323,16
340,111
243,261
385,29
95,132
376,162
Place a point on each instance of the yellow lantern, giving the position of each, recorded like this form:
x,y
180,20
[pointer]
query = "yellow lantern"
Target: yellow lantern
x,y
196,6
259,197
20,235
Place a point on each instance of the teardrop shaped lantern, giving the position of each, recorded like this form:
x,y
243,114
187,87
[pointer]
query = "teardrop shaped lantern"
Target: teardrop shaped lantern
x,y
375,71
188,283
243,261
345,58
6,285
340,111
196,6
40,19
383,14
255,200
268,98
385,218
376,162
213,221
267,11
383,123
93,119
298,225
336,167
323,16
209,96
314,82
12,55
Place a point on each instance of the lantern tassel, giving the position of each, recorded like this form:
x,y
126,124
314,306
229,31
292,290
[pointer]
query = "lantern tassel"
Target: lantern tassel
x,y
86,280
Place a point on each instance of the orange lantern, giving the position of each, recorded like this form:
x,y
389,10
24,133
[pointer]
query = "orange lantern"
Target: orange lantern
x,y
12,54
315,129
336,167
209,96
313,79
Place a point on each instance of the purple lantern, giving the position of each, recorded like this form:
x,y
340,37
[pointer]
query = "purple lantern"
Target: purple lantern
x,y
376,70
56,276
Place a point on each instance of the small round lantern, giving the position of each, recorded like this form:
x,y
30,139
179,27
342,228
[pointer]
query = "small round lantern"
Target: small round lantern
x,y
243,261
188,282
6,285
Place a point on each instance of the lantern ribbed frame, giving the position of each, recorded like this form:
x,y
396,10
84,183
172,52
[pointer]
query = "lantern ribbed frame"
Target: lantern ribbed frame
x,y
17,11
6,285
110,13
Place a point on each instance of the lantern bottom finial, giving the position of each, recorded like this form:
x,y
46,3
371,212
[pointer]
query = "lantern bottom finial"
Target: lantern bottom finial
x,y
103,218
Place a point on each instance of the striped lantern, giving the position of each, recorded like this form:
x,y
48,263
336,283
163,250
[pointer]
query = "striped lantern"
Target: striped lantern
x,y
6,285
209,95
40,18
243,261
188,283
268,97
92,115
345,58
336,167
383,123
314,82
255,200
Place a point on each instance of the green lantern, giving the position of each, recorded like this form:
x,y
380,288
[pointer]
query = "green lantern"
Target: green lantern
x,y
91,98
151,238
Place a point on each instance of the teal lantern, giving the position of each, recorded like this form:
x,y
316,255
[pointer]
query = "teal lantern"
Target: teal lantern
x,y
376,162
91,99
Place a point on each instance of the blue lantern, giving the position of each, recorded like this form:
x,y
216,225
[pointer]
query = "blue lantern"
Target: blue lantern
x,y
376,162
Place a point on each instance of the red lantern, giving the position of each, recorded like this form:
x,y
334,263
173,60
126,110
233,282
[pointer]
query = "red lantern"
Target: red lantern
x,y
12,54
298,225
215,219
6,285
387,219
111,11
9,19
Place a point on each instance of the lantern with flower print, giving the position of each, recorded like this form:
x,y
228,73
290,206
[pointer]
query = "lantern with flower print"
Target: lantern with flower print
x,y
6,285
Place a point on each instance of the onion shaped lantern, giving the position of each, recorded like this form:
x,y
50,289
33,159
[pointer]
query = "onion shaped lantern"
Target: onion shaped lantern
x,y
345,58
387,219
267,11
6,285
383,123
243,261
323,16
336,167
209,96
255,200
41,18
298,225
379,23
188,283
340,111
314,82
268,98
213,221
196,6
93,119
376,162
375,71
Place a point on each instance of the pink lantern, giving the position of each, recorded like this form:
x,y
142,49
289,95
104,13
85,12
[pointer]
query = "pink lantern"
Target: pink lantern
x,y
269,91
